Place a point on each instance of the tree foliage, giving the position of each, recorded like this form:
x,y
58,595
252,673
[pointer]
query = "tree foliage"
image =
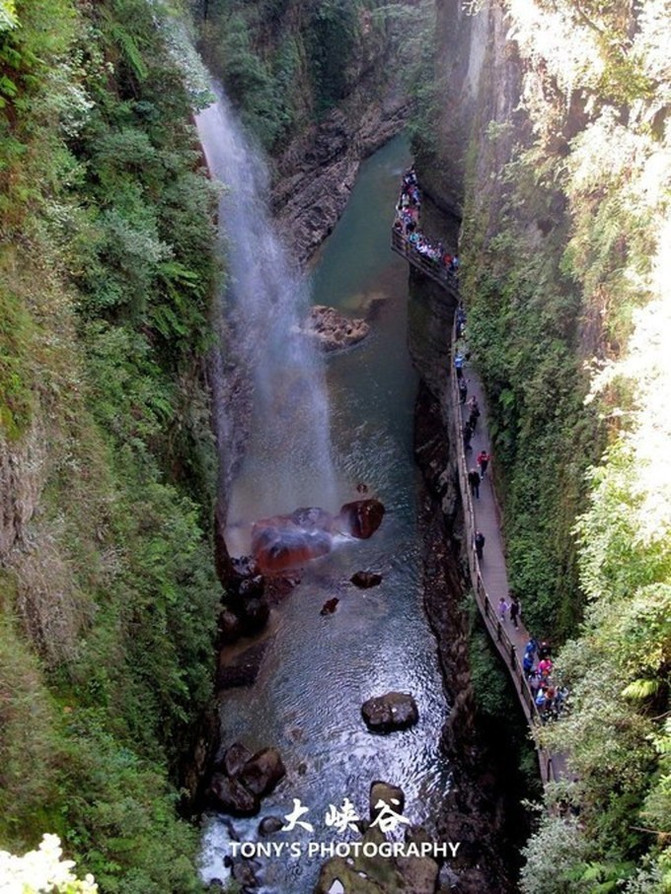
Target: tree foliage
x,y
109,601
567,291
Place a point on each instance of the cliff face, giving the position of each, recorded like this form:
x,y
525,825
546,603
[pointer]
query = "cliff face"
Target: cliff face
x,y
561,121
107,599
322,85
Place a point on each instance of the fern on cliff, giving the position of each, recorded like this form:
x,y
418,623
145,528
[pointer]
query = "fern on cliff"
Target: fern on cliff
x,y
109,601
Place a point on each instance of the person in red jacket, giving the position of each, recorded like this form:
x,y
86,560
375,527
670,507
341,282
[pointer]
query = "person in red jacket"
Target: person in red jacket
x,y
483,462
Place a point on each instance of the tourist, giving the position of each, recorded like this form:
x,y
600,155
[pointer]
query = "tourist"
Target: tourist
x,y
463,391
479,543
474,414
474,481
503,608
467,433
483,462
459,365
514,611
461,316
531,647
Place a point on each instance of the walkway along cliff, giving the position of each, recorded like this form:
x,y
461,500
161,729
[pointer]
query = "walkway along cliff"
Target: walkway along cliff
x,y
488,575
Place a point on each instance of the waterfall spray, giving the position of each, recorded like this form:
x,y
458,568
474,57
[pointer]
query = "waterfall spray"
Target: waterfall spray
x,y
288,457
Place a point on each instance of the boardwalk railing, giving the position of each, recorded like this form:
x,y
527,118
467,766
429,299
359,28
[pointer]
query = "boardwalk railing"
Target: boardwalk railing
x,y
436,270
499,635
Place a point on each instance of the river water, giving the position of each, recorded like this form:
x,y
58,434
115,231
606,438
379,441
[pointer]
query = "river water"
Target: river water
x,y
317,671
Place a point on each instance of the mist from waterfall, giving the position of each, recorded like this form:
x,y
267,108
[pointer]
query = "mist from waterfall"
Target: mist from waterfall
x,y
287,460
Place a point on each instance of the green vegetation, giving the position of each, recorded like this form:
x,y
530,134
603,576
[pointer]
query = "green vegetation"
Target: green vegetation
x,y
566,286
109,600
286,63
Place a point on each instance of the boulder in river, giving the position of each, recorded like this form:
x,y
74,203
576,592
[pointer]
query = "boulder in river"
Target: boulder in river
x,y
366,579
254,614
269,825
279,544
361,518
332,330
232,797
329,606
390,794
235,758
285,541
262,771
230,628
389,712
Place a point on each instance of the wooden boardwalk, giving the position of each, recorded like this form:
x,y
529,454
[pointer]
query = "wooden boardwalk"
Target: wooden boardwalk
x,y
489,576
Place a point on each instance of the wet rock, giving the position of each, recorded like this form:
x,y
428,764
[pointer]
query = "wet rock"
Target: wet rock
x,y
420,873
312,518
278,544
332,330
243,670
361,518
254,614
232,797
329,606
287,541
389,712
252,586
387,793
366,579
244,566
269,825
244,875
262,771
235,758
363,875
230,628
279,586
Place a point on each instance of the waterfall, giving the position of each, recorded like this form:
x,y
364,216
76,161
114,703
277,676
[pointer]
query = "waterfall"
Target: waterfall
x,y
287,460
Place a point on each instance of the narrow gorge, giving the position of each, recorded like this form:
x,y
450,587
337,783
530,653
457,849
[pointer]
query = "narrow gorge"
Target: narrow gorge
x,y
239,649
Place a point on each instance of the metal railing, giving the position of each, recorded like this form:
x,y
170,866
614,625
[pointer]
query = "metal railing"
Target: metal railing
x,y
496,630
436,270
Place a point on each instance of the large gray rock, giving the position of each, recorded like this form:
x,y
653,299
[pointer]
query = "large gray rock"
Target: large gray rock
x,y
389,712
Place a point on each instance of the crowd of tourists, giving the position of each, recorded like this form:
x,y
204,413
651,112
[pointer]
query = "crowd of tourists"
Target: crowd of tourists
x,y
550,698
407,224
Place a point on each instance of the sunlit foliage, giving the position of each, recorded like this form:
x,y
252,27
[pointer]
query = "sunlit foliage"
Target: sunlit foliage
x,y
569,298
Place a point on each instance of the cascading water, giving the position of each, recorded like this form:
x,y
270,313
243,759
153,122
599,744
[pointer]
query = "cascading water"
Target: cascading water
x,y
288,462
317,671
